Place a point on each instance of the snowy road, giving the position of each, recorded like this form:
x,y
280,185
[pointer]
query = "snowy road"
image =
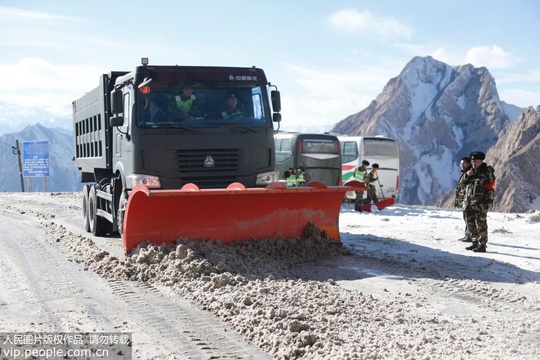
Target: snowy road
x,y
43,291
406,289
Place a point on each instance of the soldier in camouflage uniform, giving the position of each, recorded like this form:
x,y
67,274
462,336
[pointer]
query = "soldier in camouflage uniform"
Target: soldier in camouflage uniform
x,y
465,165
371,181
479,193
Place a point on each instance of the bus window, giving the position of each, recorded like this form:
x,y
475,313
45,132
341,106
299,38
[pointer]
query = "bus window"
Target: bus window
x,y
283,150
349,151
380,148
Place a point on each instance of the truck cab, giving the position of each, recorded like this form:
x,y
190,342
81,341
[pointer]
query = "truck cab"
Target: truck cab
x,y
166,126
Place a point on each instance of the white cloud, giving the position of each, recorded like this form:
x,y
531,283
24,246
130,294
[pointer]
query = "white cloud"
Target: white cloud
x,y
22,28
493,57
34,73
340,83
33,81
15,14
521,98
44,34
353,21
531,76
440,52
324,97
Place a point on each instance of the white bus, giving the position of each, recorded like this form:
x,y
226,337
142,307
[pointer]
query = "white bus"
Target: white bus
x,y
318,154
377,150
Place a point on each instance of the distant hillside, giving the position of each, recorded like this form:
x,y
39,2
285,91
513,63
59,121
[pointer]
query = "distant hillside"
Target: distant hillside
x,y
64,176
515,159
14,118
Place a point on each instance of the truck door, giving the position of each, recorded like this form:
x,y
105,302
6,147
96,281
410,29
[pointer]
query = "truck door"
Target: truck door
x,y
122,136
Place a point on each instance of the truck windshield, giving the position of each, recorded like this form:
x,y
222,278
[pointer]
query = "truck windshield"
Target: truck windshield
x,y
196,106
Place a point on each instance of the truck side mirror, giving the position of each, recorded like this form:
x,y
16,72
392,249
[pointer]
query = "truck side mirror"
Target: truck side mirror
x,y
276,117
117,103
117,107
276,100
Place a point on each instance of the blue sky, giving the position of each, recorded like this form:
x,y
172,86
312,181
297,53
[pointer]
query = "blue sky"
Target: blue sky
x,y
329,59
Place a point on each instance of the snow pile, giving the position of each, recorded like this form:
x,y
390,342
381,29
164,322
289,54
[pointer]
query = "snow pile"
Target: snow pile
x,y
196,258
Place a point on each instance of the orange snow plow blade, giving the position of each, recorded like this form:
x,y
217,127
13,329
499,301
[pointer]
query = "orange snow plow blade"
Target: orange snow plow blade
x,y
356,185
232,214
381,204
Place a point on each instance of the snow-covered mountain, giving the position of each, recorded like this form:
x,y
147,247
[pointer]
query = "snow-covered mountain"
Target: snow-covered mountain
x,y
438,113
14,118
63,175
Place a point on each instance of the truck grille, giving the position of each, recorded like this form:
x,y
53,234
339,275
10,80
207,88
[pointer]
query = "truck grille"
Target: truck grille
x,y
224,160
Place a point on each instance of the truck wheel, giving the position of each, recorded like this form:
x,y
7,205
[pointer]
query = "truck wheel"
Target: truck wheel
x,y
120,213
85,209
98,225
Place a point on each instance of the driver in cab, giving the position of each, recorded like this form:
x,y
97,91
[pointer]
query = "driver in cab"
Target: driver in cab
x,y
231,108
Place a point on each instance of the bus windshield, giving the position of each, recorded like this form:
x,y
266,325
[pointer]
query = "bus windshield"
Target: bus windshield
x,y
187,105
317,155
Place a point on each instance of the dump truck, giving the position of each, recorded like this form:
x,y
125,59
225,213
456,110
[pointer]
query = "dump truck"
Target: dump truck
x,y
169,151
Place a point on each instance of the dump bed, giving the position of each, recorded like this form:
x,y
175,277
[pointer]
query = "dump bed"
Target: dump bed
x,y
91,131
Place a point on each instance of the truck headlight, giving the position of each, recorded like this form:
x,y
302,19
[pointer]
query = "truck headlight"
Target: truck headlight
x,y
266,178
151,182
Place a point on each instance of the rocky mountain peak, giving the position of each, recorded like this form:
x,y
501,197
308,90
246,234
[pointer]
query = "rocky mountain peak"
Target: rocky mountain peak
x,y
438,113
425,70
515,159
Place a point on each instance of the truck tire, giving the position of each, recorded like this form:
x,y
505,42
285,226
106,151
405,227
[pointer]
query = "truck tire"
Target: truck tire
x,y
119,201
98,225
120,213
86,218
